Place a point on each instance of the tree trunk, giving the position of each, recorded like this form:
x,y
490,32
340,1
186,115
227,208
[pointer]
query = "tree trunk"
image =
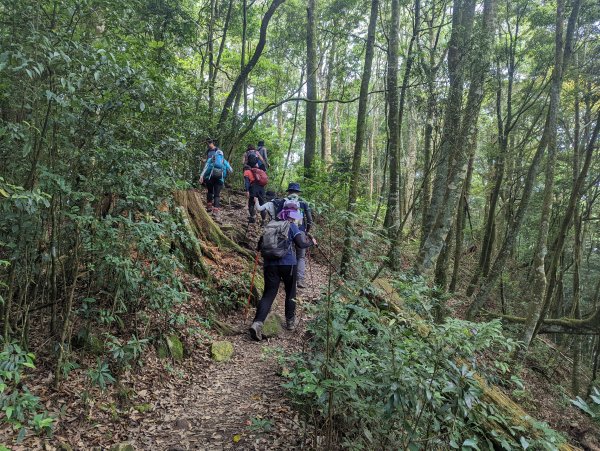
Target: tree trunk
x,y
392,219
391,214
451,178
361,122
243,56
410,169
325,130
310,139
211,66
460,224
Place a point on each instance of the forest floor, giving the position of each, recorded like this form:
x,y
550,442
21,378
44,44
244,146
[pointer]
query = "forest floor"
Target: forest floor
x,y
196,403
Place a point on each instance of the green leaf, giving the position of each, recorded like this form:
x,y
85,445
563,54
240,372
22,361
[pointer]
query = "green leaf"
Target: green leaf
x,y
470,443
524,442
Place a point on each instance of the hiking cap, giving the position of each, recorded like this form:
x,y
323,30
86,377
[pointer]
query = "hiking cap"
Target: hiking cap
x,y
261,143
294,187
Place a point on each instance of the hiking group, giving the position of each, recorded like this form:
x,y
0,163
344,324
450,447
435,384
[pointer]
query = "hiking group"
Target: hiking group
x,y
286,235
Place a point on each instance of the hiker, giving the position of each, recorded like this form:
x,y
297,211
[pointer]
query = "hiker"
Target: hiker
x,y
304,223
213,176
255,180
253,158
262,150
211,148
270,207
277,246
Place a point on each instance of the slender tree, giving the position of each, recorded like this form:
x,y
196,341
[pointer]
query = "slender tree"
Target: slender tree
x,y
310,136
361,122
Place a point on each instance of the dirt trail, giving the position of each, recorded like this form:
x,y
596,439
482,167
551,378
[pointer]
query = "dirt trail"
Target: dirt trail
x,y
238,404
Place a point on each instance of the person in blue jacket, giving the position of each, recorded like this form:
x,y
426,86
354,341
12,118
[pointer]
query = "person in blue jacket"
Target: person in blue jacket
x,y
215,171
281,270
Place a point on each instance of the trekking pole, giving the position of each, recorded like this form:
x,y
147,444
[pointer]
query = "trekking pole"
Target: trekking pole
x,y
327,259
251,287
312,279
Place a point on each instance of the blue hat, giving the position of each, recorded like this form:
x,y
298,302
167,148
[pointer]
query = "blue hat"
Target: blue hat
x,y
294,187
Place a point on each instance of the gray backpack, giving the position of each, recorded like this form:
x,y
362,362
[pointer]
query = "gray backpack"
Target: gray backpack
x,y
275,240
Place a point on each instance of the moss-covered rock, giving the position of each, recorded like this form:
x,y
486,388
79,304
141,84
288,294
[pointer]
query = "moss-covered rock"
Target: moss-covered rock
x,y
272,326
175,347
221,351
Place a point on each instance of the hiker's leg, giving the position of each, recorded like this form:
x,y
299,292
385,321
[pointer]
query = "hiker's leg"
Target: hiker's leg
x,y
217,187
288,275
301,262
209,192
271,276
251,204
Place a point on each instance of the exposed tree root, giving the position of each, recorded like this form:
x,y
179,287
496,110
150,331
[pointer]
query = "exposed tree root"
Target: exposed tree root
x,y
206,240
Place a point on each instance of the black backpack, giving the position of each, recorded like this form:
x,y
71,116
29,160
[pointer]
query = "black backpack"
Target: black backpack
x,y
252,158
278,204
275,241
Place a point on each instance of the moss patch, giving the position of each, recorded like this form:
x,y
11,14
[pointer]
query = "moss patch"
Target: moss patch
x,y
221,351
175,347
272,326
143,408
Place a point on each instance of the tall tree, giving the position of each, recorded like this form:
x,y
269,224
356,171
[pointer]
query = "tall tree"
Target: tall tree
x,y
391,215
310,137
459,130
361,122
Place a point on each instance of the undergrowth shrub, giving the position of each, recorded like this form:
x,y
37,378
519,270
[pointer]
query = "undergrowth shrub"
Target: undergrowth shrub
x,y
20,408
375,379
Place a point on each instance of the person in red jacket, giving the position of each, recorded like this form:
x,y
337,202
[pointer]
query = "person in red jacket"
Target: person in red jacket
x,y
254,190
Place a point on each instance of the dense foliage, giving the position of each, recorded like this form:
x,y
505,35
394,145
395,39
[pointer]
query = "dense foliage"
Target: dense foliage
x,y
379,379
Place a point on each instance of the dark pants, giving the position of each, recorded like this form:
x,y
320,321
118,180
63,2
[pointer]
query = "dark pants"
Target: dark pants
x,y
273,276
258,192
214,192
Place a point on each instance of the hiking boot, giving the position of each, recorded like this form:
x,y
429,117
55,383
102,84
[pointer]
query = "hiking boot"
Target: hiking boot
x,y
209,207
251,220
290,324
301,284
256,330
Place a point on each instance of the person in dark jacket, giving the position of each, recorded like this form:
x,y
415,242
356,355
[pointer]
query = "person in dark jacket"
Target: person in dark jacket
x,y
262,150
281,270
254,192
253,158
293,194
